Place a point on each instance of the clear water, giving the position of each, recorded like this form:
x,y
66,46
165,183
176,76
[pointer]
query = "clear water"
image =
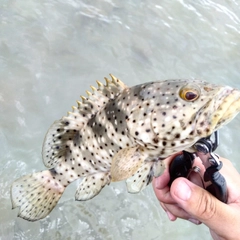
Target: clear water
x,y
51,51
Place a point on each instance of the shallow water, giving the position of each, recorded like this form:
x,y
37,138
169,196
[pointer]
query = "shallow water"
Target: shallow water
x,y
51,51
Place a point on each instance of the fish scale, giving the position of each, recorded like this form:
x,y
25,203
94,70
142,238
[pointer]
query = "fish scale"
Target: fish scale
x,y
119,133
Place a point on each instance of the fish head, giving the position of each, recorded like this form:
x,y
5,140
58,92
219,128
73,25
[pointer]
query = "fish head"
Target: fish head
x,y
180,112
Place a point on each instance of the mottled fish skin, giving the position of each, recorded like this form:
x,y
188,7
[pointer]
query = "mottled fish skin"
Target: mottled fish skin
x,y
119,133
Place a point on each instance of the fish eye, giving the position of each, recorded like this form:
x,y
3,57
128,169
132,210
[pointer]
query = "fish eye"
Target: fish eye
x,y
189,93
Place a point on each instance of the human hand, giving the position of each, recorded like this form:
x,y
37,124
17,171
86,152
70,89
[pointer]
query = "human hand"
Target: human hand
x,y
187,200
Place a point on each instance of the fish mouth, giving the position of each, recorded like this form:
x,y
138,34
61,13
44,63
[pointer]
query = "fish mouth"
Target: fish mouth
x,y
227,106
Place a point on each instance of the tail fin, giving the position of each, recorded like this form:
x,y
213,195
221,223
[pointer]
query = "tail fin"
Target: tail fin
x,y
36,195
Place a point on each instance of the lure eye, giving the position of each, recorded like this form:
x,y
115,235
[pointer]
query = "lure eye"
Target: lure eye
x,y
189,93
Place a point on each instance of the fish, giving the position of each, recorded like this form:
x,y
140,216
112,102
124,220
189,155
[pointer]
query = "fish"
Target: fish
x,y
121,133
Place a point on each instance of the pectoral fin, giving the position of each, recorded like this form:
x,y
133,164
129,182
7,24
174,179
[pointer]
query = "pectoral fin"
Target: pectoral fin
x,y
125,163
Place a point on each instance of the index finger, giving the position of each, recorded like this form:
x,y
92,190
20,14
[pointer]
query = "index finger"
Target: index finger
x,y
161,188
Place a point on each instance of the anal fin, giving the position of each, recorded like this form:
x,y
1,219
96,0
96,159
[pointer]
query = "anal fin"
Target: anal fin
x,y
91,186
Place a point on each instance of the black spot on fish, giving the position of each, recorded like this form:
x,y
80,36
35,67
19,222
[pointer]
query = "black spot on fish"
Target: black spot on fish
x,y
199,132
53,171
177,135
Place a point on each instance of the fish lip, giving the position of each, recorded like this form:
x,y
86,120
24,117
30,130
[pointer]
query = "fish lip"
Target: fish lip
x,y
226,106
220,109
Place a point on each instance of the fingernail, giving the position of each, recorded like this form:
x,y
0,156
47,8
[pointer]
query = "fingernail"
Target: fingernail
x,y
170,216
195,221
182,191
156,182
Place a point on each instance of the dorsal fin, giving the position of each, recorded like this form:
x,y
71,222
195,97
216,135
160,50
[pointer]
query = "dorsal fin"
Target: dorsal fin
x,y
65,131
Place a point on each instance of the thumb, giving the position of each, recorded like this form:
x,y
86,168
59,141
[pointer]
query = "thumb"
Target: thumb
x,y
201,205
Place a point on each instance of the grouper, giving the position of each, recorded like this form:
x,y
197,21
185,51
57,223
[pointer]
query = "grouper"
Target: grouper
x,y
122,133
